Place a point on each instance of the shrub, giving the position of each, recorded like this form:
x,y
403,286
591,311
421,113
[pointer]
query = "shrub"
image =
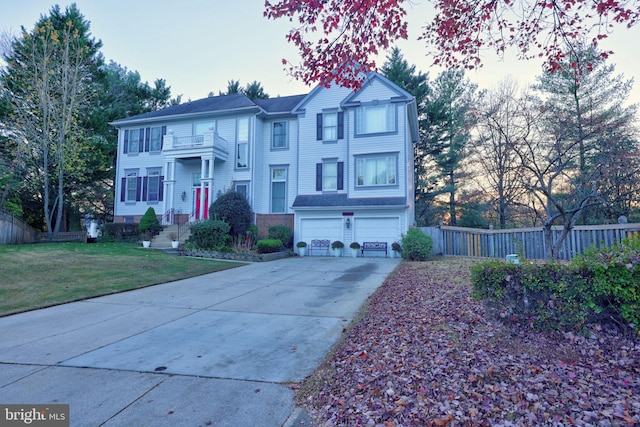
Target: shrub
x,y
416,246
119,232
232,208
301,244
546,296
615,275
149,222
210,235
337,244
282,233
603,285
354,245
267,246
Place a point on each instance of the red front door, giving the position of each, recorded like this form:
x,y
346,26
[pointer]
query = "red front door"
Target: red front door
x,y
202,200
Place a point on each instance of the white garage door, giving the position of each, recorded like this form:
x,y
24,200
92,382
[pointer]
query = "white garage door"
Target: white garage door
x,y
377,230
320,228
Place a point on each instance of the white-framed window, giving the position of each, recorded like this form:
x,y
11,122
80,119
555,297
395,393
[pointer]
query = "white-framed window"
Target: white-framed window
x,y
278,189
242,146
155,144
329,176
195,179
200,128
153,185
134,140
330,126
376,170
279,135
375,119
131,183
242,188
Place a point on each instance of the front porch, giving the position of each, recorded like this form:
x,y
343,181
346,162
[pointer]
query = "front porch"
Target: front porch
x,y
189,168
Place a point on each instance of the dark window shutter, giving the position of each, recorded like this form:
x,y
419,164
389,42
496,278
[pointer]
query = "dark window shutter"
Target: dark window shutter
x,y
141,141
164,132
340,125
161,189
125,149
340,175
147,136
138,188
145,182
319,127
318,176
123,189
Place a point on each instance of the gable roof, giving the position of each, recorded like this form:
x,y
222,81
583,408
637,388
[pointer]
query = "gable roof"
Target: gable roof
x,y
402,95
212,104
218,104
281,104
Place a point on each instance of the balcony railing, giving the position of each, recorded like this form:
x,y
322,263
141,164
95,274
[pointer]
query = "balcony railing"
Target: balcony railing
x,y
210,139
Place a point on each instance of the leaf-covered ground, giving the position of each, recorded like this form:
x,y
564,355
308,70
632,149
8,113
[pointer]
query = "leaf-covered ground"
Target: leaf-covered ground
x,y
424,353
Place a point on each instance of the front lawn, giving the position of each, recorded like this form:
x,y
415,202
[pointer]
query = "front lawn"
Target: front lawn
x,y
424,353
44,274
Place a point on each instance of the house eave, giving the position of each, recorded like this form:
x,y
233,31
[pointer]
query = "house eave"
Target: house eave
x,y
188,116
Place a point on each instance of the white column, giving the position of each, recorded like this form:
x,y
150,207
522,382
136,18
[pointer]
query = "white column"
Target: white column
x,y
203,174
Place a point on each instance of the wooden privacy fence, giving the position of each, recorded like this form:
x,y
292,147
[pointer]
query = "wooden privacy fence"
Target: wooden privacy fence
x,y
477,242
15,231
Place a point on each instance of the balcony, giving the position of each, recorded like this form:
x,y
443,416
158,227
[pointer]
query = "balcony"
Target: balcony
x,y
194,144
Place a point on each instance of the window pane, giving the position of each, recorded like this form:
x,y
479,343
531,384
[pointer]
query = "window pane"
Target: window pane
x,y
242,155
195,179
330,176
203,127
132,179
278,197
153,186
375,119
279,175
134,138
376,171
243,130
330,126
242,189
156,139
280,134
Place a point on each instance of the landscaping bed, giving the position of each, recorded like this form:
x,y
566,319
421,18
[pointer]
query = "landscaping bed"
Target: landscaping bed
x,y
424,353
246,257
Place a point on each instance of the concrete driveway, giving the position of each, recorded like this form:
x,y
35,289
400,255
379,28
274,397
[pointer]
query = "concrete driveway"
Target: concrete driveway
x,y
217,350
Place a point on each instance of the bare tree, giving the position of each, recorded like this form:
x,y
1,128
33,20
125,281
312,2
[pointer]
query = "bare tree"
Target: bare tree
x,y
500,124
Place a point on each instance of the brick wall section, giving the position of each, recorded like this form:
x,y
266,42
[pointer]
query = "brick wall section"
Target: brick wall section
x,y
263,222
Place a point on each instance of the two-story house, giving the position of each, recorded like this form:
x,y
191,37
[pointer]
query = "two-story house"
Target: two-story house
x,y
333,164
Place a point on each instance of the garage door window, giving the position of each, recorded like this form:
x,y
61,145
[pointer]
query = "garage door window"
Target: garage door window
x,y
376,171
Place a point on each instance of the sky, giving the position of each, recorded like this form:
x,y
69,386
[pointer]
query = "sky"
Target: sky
x,y
197,46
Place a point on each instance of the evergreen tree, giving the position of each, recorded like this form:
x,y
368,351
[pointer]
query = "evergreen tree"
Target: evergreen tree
x,y
398,70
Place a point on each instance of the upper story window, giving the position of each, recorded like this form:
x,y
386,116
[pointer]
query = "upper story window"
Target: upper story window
x,y
143,140
329,175
155,144
133,139
201,128
242,146
376,170
330,126
373,119
279,135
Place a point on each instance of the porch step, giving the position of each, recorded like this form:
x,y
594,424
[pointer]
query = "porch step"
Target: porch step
x,y
162,241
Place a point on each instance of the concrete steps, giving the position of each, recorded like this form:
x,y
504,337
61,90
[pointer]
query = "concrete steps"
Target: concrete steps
x,y
162,241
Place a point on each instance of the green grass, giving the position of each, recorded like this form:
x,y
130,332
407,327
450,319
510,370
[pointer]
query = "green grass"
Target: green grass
x,y
45,274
